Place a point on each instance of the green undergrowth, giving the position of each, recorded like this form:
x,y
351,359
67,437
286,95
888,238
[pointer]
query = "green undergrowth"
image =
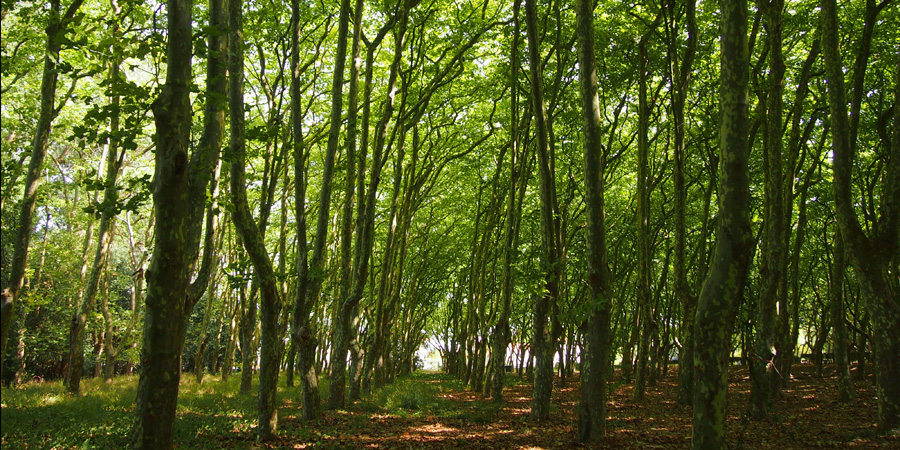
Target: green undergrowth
x,y
432,394
213,415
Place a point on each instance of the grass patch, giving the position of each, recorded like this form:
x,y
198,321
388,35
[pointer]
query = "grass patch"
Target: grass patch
x,y
43,416
411,395
213,415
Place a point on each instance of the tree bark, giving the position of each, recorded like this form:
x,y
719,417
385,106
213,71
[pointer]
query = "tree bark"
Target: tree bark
x,y
725,281
502,331
307,301
56,29
86,302
595,359
180,189
844,384
341,332
765,378
544,303
642,217
681,75
870,254
251,235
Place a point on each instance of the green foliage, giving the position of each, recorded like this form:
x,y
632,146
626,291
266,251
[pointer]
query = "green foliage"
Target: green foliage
x,y
41,415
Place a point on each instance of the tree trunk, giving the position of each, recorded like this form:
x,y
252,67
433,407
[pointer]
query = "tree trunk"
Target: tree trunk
x,y
233,336
252,236
680,82
180,189
56,28
642,217
513,212
595,358
543,304
246,337
791,172
107,213
725,281
870,255
765,378
844,384
86,303
341,332
312,275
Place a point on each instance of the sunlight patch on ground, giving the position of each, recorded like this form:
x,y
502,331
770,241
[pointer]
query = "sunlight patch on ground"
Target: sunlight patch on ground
x,y
435,428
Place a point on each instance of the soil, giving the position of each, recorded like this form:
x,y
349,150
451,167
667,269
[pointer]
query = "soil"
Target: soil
x,y
807,416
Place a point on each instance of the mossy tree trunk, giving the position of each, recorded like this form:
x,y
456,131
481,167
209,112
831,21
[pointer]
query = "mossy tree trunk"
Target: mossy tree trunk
x,y
765,378
725,282
871,253
252,234
56,29
513,211
543,304
595,358
341,333
180,190
642,221
836,303
680,72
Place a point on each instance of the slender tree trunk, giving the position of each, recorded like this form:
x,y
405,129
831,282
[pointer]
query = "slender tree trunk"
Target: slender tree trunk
x,y
765,378
871,255
341,332
725,282
203,343
681,75
844,384
233,336
543,304
56,28
791,172
312,276
502,331
86,303
595,358
645,321
252,235
180,189
246,339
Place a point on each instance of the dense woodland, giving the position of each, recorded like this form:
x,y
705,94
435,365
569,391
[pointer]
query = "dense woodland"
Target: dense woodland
x,y
311,192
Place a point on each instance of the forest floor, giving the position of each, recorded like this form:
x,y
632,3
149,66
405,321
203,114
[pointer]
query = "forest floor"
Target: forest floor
x,y
432,410
808,417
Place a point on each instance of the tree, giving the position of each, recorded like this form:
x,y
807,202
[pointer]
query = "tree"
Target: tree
x,y
57,28
595,360
251,235
179,200
766,381
517,163
725,281
870,253
543,304
680,75
341,332
108,210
